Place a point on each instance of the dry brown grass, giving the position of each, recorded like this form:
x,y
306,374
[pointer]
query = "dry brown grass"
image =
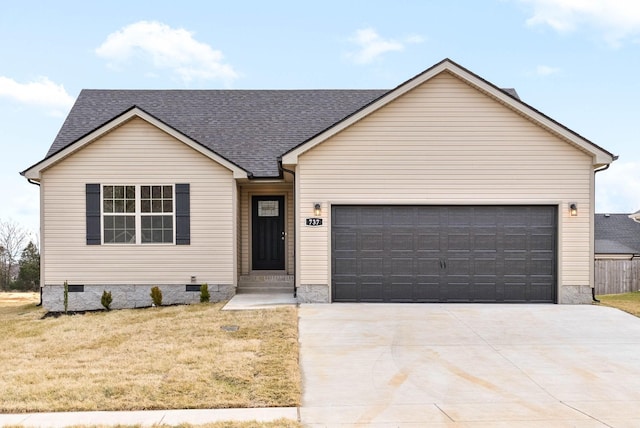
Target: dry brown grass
x,y
628,302
155,358
18,298
280,423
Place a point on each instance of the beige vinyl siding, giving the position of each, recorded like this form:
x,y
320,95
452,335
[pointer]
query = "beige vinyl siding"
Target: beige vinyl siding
x,y
137,153
446,142
246,192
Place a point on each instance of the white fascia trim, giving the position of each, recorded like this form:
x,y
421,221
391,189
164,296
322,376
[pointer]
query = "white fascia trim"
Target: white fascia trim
x,y
600,157
35,171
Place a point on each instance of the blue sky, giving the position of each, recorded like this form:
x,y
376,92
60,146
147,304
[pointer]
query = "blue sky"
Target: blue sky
x,y
577,61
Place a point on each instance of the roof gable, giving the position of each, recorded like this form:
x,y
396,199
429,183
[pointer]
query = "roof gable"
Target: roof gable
x,y
509,98
34,171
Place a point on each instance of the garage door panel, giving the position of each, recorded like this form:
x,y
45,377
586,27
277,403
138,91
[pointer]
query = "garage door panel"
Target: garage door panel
x,y
371,241
428,266
345,291
346,266
485,241
444,253
371,266
372,290
401,266
484,291
402,241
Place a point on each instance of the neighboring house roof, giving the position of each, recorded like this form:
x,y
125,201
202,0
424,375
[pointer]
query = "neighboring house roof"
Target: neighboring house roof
x,y
616,234
254,129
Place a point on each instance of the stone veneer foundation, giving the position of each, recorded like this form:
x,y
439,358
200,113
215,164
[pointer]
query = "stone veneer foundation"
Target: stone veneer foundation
x,y
127,296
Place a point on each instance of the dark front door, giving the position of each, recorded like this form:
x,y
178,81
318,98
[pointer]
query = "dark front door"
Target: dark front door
x,y
268,232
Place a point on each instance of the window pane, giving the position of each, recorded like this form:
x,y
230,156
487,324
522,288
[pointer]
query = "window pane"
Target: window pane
x,y
156,206
107,192
156,192
167,192
131,192
119,229
118,206
131,205
145,206
145,192
157,229
167,206
108,206
118,192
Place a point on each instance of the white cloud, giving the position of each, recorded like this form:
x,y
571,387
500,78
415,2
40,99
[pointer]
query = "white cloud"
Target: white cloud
x,y
615,19
371,46
545,70
40,92
618,188
167,48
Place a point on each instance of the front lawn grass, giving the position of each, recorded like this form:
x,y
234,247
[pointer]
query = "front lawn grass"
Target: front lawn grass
x,y
628,302
280,423
176,357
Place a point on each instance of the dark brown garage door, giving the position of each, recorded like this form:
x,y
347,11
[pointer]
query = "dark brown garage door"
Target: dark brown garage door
x,y
443,253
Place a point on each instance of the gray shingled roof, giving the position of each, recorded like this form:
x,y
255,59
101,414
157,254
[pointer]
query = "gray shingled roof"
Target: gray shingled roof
x,y
249,128
616,234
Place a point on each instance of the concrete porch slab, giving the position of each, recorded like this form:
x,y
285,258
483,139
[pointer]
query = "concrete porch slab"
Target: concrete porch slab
x,y
250,301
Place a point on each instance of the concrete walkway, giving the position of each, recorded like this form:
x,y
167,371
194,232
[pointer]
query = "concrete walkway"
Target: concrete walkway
x,y
457,365
148,417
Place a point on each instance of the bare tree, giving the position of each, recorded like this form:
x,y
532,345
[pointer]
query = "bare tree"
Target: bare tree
x,y
12,241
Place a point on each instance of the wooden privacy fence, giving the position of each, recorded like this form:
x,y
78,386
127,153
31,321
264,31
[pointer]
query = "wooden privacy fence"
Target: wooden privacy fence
x,y
617,276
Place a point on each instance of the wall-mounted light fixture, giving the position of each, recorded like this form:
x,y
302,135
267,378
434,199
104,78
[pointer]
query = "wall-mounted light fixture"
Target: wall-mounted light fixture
x,y
193,279
317,209
573,209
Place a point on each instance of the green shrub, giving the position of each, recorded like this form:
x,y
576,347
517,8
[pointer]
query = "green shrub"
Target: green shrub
x,y
66,296
156,296
204,293
106,299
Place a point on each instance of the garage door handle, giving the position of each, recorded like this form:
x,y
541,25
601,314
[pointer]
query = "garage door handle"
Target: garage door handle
x,y
443,263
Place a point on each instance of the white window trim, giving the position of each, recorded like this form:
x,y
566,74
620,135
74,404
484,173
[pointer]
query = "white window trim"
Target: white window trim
x,y
138,215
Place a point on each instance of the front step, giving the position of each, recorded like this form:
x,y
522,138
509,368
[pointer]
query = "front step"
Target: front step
x,y
265,284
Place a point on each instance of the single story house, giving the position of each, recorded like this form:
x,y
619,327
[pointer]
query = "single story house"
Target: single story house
x,y
617,253
446,188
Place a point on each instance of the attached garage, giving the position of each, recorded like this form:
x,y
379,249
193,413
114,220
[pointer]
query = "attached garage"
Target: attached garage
x,y
399,253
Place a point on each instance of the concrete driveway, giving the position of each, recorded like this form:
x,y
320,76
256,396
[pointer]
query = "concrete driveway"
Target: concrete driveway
x,y
462,365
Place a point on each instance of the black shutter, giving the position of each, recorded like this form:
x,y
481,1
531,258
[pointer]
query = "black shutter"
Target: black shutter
x,y
93,214
183,220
